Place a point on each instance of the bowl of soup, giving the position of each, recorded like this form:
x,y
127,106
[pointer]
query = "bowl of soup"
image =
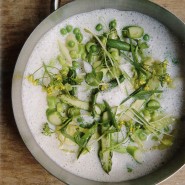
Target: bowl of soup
x,y
100,98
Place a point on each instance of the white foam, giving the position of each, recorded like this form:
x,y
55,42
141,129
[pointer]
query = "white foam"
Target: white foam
x,y
34,100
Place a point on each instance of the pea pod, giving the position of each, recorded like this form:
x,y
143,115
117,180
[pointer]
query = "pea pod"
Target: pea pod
x,y
118,44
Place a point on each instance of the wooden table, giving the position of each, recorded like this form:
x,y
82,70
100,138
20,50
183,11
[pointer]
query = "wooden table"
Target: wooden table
x,y
18,18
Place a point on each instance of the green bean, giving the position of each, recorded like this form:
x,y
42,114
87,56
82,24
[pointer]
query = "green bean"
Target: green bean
x,y
118,44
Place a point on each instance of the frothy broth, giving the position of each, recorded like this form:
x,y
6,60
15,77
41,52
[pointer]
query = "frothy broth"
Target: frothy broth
x,y
163,46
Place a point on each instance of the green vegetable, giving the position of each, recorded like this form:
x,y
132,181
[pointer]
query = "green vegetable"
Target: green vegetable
x,y
141,134
83,140
52,102
132,94
93,48
93,79
93,104
71,44
72,112
60,107
99,27
146,37
104,154
63,31
76,30
153,104
46,130
61,60
53,117
111,116
79,37
146,94
133,32
69,28
112,24
113,83
129,114
73,101
118,44
65,53
75,64
135,153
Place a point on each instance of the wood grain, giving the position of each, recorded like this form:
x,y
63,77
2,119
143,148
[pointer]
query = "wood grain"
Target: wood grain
x,y
18,18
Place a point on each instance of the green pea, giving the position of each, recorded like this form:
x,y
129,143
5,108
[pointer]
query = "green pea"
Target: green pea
x,y
79,37
153,104
112,24
63,31
146,37
76,30
99,27
75,64
93,48
71,43
69,28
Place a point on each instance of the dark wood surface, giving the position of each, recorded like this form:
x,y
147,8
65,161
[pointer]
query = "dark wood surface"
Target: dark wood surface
x,y
18,18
